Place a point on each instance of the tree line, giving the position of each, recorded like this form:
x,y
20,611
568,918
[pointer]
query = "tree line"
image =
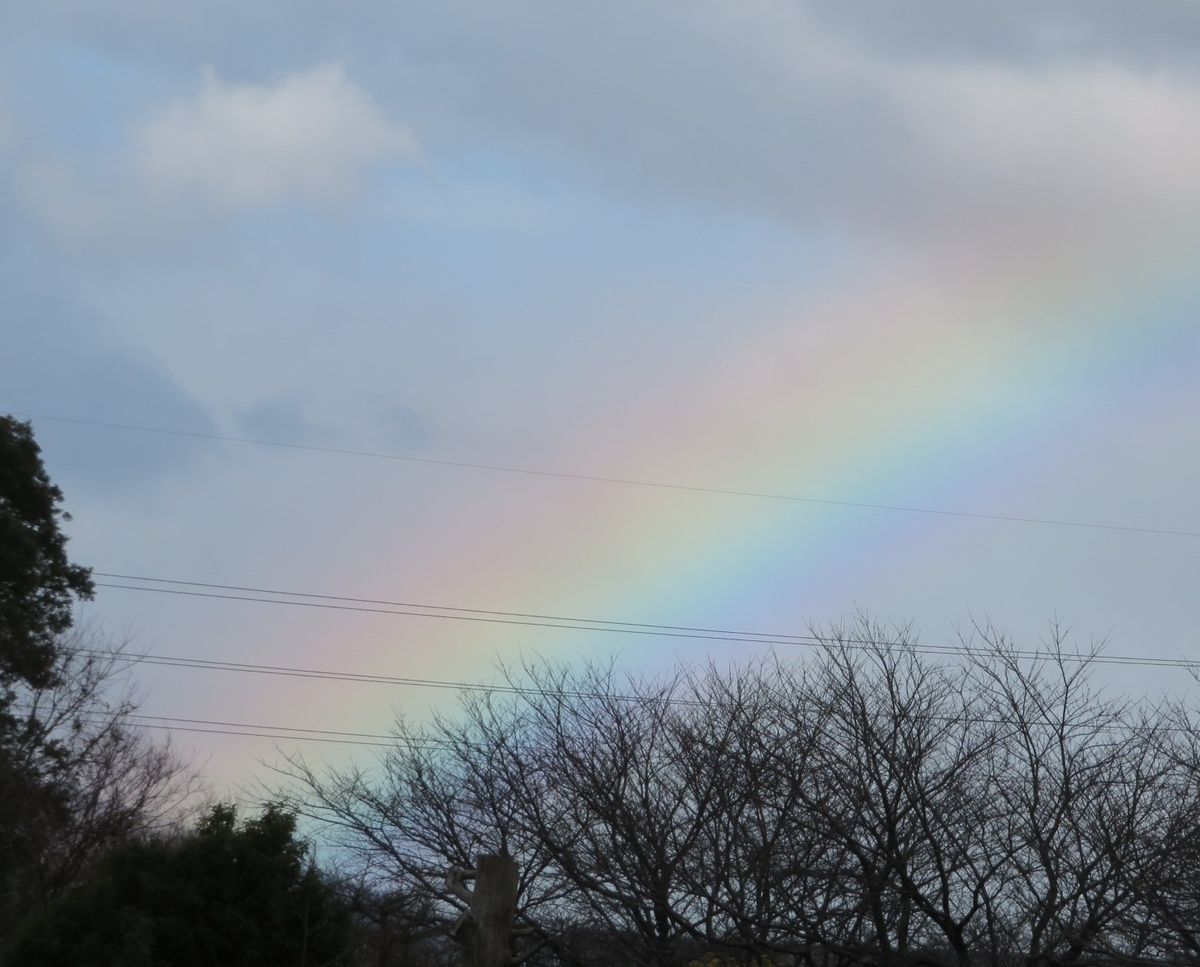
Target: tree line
x,y
870,804
109,855
73,776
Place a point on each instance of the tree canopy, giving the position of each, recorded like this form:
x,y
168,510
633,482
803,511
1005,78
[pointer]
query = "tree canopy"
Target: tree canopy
x,y
869,805
75,776
38,584
239,894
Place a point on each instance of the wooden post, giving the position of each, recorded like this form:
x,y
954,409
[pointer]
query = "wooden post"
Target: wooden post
x,y
486,933
493,905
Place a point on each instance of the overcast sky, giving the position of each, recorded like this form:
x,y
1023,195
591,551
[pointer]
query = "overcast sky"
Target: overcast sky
x,y
931,255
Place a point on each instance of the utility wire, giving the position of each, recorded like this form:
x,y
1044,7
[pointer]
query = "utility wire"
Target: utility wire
x,y
390,739
656,631
288,671
429,742
177,723
457,609
624,481
260,735
660,631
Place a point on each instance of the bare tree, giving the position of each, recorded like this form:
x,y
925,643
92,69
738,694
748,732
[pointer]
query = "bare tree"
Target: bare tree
x,y
1165,875
873,805
89,776
1083,782
433,802
904,764
769,881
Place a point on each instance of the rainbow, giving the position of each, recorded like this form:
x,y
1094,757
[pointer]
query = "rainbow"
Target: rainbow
x,y
918,388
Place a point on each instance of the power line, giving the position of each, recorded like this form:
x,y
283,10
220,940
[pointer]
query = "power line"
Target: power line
x,y
389,739
260,735
478,615
288,671
624,481
291,671
219,727
475,618
454,608
176,724
657,631
428,742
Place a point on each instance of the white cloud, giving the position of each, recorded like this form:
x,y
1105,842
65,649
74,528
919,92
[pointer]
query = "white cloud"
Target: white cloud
x,y
766,107
1086,134
311,134
770,107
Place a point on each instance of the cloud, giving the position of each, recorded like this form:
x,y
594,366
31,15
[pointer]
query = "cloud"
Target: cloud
x,y
767,107
311,134
1089,133
311,137
1028,32
63,358
376,421
806,113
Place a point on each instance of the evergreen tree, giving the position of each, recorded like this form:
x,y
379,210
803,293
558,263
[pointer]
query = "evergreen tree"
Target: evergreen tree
x,y
38,583
74,775
236,894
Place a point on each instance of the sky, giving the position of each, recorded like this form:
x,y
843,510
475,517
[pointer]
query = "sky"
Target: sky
x,y
937,255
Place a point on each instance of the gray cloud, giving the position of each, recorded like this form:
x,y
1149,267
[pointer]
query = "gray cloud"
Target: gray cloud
x,y
1150,36
310,134
924,116
62,358
229,32
399,426
278,418
376,421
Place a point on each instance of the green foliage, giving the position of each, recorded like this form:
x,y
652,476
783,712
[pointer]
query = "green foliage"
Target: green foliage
x,y
238,895
37,582
37,588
